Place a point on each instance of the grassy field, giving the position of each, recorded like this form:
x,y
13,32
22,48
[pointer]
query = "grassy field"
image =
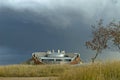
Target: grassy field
x,y
32,70
28,78
97,71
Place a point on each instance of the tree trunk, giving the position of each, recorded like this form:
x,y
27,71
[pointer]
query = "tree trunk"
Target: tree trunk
x,y
93,59
118,46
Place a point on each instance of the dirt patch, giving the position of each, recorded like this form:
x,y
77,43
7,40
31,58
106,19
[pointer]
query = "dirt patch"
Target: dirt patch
x,y
28,78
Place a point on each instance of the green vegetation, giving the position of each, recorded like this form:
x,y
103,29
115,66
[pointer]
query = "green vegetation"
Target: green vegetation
x,y
96,71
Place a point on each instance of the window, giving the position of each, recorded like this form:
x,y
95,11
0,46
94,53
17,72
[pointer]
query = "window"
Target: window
x,y
44,60
67,59
58,59
50,59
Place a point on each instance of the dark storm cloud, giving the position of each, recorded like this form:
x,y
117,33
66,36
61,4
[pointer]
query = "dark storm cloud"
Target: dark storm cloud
x,y
21,31
64,11
30,28
38,25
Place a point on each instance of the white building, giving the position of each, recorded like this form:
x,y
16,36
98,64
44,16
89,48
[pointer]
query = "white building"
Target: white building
x,y
52,57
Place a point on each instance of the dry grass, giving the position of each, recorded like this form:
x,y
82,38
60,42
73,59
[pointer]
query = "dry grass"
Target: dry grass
x,y
31,70
28,78
97,71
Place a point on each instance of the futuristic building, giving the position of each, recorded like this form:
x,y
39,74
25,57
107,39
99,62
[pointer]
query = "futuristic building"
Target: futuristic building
x,y
52,57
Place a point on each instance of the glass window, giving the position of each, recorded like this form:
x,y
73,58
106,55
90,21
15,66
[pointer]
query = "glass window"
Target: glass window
x,y
58,59
47,60
67,59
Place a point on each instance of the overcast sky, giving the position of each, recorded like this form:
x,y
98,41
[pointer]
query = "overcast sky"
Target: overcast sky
x,y
28,26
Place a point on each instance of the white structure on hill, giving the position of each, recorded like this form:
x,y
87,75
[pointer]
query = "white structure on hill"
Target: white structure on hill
x,y
52,57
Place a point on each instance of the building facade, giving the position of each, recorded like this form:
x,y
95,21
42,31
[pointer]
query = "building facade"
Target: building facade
x,y
52,57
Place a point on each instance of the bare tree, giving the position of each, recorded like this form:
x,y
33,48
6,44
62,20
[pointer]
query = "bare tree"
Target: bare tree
x,y
114,30
100,38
